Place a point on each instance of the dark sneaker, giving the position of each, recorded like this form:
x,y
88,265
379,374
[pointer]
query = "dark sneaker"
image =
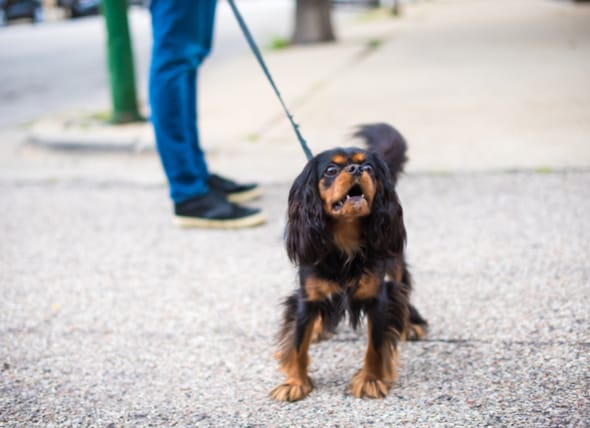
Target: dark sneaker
x,y
234,192
213,210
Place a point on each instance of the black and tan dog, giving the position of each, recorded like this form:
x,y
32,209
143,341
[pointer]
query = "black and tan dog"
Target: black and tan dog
x,y
346,233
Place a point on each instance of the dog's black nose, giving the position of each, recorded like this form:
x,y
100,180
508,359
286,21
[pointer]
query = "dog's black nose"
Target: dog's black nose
x,y
354,169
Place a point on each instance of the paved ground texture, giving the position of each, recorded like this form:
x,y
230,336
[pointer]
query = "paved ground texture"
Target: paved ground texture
x,y
110,316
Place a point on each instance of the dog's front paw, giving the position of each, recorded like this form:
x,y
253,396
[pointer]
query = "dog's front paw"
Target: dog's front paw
x,y
365,385
292,390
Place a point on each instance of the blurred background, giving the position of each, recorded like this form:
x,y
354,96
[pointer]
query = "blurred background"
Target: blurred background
x,y
55,50
473,84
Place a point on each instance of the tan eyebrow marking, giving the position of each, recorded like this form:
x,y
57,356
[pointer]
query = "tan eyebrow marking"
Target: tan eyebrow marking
x,y
339,159
358,157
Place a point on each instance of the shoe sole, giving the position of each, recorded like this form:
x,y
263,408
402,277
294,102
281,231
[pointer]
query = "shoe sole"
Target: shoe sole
x,y
245,196
204,223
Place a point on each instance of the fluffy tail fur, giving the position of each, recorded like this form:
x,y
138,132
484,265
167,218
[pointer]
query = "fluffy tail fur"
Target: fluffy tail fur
x,y
388,143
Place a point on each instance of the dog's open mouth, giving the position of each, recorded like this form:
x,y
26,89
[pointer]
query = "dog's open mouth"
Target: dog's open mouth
x,y
355,196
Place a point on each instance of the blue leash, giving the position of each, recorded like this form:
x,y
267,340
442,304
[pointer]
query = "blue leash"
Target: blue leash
x,y
258,56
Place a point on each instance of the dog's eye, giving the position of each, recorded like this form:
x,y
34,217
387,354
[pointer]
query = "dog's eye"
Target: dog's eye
x,y
331,171
367,168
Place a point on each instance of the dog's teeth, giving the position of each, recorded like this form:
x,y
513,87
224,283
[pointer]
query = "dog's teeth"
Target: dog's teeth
x,y
347,197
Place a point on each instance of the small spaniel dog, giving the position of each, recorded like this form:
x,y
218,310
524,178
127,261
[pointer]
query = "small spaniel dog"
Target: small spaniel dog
x,y
346,233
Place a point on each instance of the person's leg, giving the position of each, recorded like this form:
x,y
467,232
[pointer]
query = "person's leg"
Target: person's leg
x,y
204,21
182,36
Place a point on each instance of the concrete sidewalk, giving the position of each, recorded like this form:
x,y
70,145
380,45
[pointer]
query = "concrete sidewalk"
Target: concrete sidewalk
x,y
475,86
112,317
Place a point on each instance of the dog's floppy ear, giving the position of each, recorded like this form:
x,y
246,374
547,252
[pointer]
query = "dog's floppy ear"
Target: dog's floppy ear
x,y
306,224
385,225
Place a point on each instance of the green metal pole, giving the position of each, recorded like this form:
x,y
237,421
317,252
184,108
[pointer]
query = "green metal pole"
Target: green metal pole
x,y
120,62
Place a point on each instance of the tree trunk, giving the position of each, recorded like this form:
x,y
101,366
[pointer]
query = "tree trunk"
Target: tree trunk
x,y
396,8
313,22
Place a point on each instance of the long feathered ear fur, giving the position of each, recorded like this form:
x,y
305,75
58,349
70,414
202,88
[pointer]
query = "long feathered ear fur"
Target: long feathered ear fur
x,y
386,232
306,234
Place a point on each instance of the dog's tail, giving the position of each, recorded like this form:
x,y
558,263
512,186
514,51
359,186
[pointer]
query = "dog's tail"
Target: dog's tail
x,y
388,143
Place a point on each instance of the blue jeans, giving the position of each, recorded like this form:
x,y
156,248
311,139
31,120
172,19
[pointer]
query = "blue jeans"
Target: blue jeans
x,y
182,36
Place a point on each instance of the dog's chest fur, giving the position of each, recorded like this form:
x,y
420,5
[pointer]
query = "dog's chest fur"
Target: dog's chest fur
x,y
347,237
344,269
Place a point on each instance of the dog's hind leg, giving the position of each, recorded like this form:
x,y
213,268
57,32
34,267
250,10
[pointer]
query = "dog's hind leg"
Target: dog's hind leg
x,y
418,326
320,331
